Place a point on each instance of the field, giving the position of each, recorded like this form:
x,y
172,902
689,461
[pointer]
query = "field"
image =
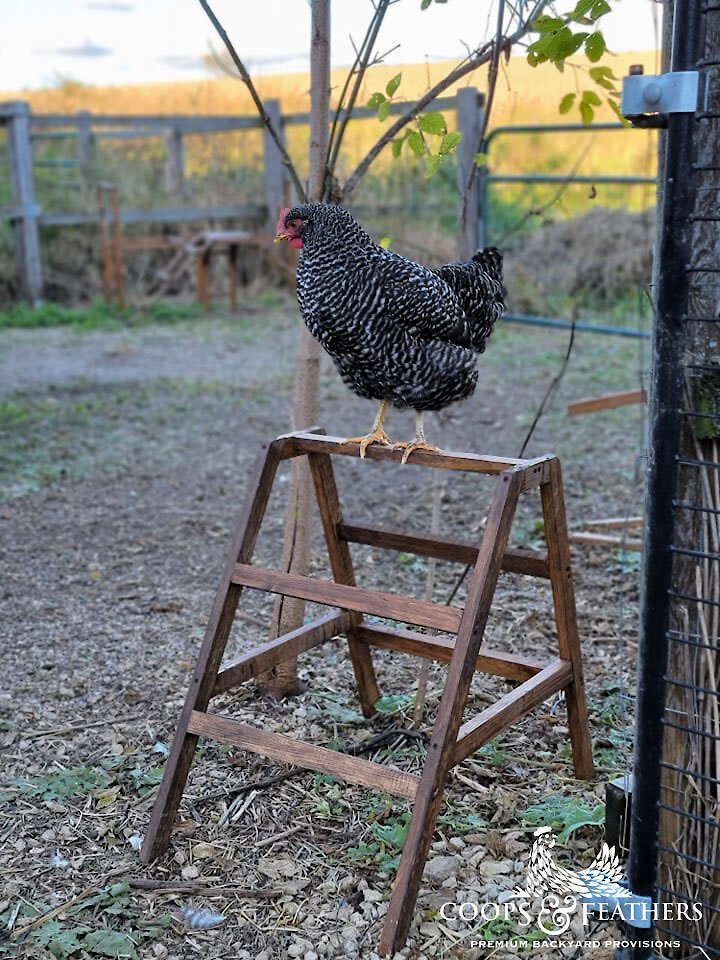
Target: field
x,y
227,168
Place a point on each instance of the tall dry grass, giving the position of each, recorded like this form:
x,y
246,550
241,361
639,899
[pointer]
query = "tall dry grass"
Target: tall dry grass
x,y
524,95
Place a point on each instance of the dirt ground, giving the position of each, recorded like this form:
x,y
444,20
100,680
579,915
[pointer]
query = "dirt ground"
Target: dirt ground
x,y
125,456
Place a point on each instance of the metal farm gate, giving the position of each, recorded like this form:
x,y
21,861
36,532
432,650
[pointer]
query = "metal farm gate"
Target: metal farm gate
x,y
675,827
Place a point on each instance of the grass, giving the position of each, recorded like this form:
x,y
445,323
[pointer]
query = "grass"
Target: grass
x,y
98,315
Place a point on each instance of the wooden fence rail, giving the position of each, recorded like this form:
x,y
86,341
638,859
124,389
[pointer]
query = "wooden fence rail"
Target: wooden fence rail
x,y
24,129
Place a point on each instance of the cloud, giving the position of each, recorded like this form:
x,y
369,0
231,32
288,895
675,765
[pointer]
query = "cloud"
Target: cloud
x,y
86,49
116,5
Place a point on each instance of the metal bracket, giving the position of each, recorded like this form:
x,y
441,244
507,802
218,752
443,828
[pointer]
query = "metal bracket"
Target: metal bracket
x,y
677,92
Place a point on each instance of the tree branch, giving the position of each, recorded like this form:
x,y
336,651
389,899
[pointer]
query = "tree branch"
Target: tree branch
x,y
477,59
492,84
247,80
358,70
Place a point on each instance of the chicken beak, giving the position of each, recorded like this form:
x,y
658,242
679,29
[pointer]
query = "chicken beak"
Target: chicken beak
x,y
281,236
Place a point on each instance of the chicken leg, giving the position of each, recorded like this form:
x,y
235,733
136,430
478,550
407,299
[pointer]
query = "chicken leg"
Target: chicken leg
x,y
418,442
376,435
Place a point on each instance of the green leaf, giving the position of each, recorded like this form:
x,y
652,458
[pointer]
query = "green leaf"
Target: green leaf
x,y
566,43
566,103
393,834
60,941
376,99
416,142
582,8
589,96
393,84
110,943
396,146
599,9
384,242
384,110
601,74
603,77
564,813
595,47
480,159
394,702
545,24
432,163
425,4
335,706
450,141
432,123
586,112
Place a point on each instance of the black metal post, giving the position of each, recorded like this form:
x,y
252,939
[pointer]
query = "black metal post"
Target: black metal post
x,y
672,285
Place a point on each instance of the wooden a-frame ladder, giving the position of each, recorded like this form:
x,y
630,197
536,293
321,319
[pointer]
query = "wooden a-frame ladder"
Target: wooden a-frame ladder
x,y
453,737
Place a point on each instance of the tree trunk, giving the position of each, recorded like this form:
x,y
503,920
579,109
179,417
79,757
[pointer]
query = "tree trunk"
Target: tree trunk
x,y
288,613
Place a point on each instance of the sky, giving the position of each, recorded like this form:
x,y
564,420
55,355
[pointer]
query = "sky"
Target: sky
x,y
44,42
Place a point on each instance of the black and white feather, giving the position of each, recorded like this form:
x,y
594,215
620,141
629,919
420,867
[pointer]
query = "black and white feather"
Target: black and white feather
x,y
397,331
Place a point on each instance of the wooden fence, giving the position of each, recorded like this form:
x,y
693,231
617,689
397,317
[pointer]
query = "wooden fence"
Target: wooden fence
x,y
23,128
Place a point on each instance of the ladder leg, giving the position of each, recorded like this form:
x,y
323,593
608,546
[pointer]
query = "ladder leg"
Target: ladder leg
x,y
201,687
342,568
561,578
444,736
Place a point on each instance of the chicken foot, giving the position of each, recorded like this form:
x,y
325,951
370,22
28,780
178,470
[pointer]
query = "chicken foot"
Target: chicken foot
x,y
376,435
418,442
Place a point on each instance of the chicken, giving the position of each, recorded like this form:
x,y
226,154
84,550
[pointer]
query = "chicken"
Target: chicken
x,y
398,332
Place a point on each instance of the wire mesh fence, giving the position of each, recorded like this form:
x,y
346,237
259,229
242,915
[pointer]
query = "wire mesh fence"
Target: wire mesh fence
x,y
677,768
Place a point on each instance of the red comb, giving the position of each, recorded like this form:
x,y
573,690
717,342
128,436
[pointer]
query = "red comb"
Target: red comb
x,y
281,219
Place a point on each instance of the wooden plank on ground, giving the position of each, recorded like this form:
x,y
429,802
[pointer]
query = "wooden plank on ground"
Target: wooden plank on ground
x,y
607,401
606,539
307,755
611,522
404,609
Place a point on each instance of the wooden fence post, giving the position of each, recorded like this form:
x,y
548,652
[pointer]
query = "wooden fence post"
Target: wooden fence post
x,y
470,119
174,160
86,149
276,178
25,220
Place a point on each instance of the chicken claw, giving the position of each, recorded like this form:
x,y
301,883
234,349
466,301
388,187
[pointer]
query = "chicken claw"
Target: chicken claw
x,y
419,443
377,436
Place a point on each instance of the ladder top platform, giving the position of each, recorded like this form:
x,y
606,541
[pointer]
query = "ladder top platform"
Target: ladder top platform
x,y
308,441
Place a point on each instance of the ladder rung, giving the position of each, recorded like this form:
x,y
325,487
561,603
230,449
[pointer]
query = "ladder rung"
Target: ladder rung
x,y
511,707
286,647
286,750
404,609
495,662
528,562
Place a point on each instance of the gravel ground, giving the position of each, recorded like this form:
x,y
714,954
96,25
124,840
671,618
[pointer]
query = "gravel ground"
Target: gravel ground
x,y
124,461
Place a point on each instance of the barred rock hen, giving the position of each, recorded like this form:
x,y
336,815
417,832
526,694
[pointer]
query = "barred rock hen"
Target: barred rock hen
x,y
398,332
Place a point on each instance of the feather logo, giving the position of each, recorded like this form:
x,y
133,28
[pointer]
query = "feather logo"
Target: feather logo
x,y
600,888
